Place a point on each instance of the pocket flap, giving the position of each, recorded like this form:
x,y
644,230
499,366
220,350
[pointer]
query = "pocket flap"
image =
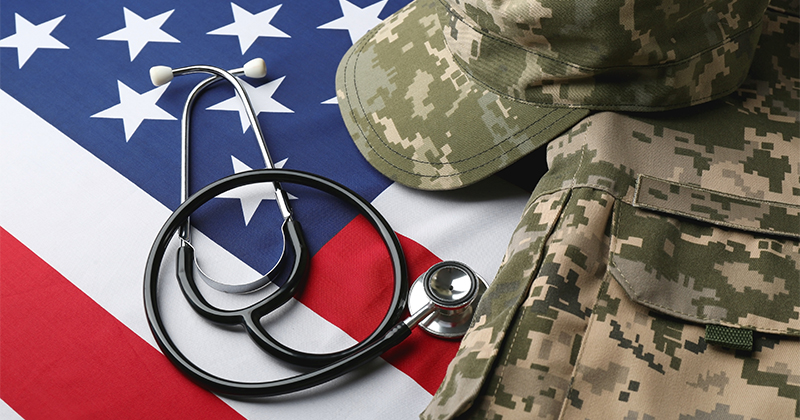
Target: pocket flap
x,y
732,261
718,208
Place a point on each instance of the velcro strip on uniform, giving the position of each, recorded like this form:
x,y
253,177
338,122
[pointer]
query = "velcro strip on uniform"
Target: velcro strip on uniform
x,y
717,208
729,337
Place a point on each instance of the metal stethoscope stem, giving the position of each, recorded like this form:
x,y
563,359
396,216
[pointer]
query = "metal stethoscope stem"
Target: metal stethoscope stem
x,y
255,68
281,197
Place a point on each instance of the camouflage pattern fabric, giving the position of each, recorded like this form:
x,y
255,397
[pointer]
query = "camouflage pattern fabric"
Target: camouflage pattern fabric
x,y
653,56
447,92
646,229
421,120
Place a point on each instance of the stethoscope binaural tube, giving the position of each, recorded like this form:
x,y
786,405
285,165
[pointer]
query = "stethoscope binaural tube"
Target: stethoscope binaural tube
x,y
255,68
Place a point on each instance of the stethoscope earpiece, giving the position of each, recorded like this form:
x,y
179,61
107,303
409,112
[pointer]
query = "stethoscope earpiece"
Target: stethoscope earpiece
x,y
160,75
254,69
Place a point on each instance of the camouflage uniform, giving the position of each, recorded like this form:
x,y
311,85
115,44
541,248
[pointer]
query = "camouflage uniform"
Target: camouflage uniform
x,y
655,273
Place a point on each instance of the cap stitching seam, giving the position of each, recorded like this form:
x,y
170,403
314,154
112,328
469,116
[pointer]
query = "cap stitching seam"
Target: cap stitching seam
x,y
782,11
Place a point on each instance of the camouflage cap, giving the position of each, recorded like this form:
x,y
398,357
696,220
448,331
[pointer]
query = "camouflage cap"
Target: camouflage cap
x,y
447,92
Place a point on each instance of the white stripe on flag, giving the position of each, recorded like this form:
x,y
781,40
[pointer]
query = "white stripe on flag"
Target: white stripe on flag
x,y
7,413
95,227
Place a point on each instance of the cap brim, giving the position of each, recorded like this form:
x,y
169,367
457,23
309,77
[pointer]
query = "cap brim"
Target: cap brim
x,y
421,120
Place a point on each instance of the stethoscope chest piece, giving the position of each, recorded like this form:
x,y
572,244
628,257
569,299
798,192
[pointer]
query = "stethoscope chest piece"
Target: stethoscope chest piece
x,y
455,290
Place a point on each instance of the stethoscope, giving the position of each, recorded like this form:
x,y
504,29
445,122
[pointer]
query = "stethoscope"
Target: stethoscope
x,y
441,301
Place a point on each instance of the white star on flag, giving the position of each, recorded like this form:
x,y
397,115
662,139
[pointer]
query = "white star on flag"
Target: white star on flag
x,y
261,98
252,195
30,37
139,32
248,27
356,20
133,108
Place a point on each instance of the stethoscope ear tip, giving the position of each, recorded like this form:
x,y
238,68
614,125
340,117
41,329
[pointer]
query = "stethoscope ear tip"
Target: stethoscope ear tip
x,y
160,75
255,68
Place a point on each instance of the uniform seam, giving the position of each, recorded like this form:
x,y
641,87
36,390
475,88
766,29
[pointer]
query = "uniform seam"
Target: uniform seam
x,y
574,182
590,324
700,217
635,297
722,193
567,194
597,187
580,166
723,223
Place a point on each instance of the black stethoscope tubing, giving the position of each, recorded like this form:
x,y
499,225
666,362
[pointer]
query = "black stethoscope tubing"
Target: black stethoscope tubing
x,y
389,333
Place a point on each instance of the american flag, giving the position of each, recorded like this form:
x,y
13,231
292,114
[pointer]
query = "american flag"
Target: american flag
x,y
90,161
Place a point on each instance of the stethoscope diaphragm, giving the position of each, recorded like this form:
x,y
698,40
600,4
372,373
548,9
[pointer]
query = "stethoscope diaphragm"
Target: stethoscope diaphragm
x,y
455,289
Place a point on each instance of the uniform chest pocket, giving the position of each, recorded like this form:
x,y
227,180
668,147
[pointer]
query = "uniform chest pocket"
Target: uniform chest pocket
x,y
709,258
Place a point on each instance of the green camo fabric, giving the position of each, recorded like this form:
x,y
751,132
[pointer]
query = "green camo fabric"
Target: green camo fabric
x,y
638,55
445,93
647,232
421,119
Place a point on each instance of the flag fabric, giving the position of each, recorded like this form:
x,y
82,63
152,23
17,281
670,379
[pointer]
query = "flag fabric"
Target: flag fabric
x,y
90,170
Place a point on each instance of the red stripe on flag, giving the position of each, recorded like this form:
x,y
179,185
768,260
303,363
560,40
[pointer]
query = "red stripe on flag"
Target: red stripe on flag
x,y
350,285
64,356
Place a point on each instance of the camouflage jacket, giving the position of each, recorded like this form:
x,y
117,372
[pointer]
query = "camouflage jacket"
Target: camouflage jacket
x,y
655,273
